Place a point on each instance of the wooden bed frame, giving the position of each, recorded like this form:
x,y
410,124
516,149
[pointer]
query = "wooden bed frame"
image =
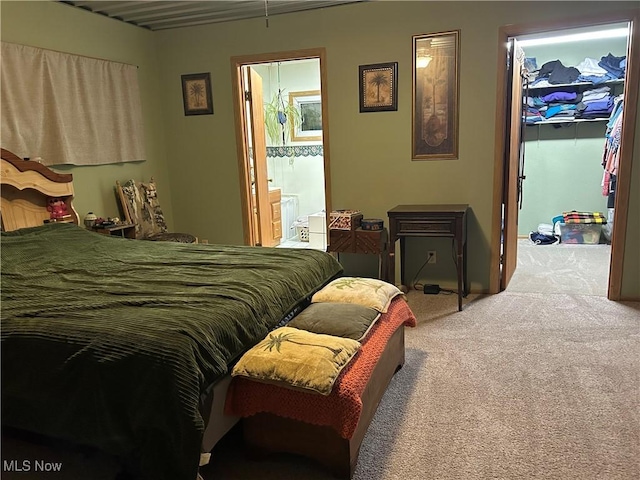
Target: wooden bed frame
x,y
26,187
267,433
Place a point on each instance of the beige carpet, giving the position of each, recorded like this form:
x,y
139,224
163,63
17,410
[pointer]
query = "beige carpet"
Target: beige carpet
x,y
516,386
561,268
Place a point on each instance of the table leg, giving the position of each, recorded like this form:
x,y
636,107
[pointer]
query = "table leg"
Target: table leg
x,y
459,269
465,281
391,262
402,260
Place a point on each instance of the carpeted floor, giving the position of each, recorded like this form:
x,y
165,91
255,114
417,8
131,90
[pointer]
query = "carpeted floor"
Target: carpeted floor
x,y
561,268
530,383
518,385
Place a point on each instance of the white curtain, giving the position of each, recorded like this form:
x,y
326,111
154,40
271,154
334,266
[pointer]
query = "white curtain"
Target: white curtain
x,y
69,109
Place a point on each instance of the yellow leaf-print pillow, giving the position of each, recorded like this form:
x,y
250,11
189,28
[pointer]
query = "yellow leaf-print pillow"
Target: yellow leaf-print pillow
x,y
368,292
298,359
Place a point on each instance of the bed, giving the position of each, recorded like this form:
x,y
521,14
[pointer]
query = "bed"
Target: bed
x,y
125,346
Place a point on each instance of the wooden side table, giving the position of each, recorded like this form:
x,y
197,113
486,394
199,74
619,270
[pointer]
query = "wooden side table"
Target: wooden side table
x,y
372,242
430,221
125,230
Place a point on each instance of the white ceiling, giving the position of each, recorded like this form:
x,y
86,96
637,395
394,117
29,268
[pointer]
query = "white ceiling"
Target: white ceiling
x,y
162,15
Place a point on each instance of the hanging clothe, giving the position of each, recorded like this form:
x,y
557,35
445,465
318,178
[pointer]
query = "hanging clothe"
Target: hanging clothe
x,y
613,135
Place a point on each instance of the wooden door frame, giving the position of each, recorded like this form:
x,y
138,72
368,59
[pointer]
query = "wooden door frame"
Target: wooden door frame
x,y
240,121
623,185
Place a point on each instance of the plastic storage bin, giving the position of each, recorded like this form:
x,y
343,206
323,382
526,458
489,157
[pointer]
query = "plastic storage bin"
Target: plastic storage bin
x,y
587,233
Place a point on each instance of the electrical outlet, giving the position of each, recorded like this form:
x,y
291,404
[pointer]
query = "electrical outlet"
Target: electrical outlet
x,y
431,256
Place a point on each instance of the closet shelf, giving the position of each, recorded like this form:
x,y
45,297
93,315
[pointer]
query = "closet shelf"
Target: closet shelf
x,y
568,120
578,85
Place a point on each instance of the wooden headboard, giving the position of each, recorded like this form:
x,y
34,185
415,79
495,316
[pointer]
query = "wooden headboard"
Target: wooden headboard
x,y
26,189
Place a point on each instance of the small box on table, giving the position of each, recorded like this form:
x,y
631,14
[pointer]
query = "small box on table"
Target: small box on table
x,y
345,219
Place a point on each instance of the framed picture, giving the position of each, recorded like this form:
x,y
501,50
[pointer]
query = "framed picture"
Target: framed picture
x,y
378,87
196,94
309,126
436,87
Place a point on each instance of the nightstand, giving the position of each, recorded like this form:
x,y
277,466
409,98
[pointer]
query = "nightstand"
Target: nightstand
x,y
125,230
371,242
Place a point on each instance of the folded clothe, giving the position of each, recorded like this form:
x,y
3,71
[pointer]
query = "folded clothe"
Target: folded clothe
x,y
589,66
545,228
605,103
595,79
555,110
535,102
583,217
533,115
596,94
560,97
612,64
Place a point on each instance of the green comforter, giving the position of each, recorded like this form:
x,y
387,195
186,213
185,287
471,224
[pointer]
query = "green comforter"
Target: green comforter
x,y
110,342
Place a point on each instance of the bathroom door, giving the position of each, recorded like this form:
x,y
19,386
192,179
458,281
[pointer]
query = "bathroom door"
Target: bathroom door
x,y
256,135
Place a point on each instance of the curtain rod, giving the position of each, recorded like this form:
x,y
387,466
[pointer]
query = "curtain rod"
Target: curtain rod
x,y
74,54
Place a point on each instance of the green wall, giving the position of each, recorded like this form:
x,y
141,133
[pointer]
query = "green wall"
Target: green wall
x,y
371,167
563,169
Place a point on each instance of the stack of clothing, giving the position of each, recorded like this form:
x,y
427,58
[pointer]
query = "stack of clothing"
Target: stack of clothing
x,y
560,104
609,67
595,103
615,66
566,104
583,217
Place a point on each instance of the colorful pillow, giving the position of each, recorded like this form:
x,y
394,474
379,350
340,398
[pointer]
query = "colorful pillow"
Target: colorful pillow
x,y
367,292
298,359
346,320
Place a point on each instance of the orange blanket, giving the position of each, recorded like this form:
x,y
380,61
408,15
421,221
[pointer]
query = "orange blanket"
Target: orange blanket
x,y
340,409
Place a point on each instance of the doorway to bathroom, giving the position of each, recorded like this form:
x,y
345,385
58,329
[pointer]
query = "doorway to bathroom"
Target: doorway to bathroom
x,y
281,125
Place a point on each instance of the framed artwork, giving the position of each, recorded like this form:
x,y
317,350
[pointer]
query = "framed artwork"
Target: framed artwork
x,y
309,126
436,86
196,94
378,87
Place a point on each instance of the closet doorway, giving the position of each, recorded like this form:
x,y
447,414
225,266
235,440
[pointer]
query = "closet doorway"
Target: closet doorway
x,y
511,166
282,145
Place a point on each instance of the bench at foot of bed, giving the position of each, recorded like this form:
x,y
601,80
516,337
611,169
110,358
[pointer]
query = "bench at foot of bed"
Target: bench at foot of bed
x,y
266,433
326,428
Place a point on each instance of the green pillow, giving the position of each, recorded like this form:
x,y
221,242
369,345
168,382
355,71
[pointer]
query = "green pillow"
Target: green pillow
x,y
345,320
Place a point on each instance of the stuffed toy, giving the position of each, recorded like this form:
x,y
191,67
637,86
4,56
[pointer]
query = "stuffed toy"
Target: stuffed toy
x,y
56,208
